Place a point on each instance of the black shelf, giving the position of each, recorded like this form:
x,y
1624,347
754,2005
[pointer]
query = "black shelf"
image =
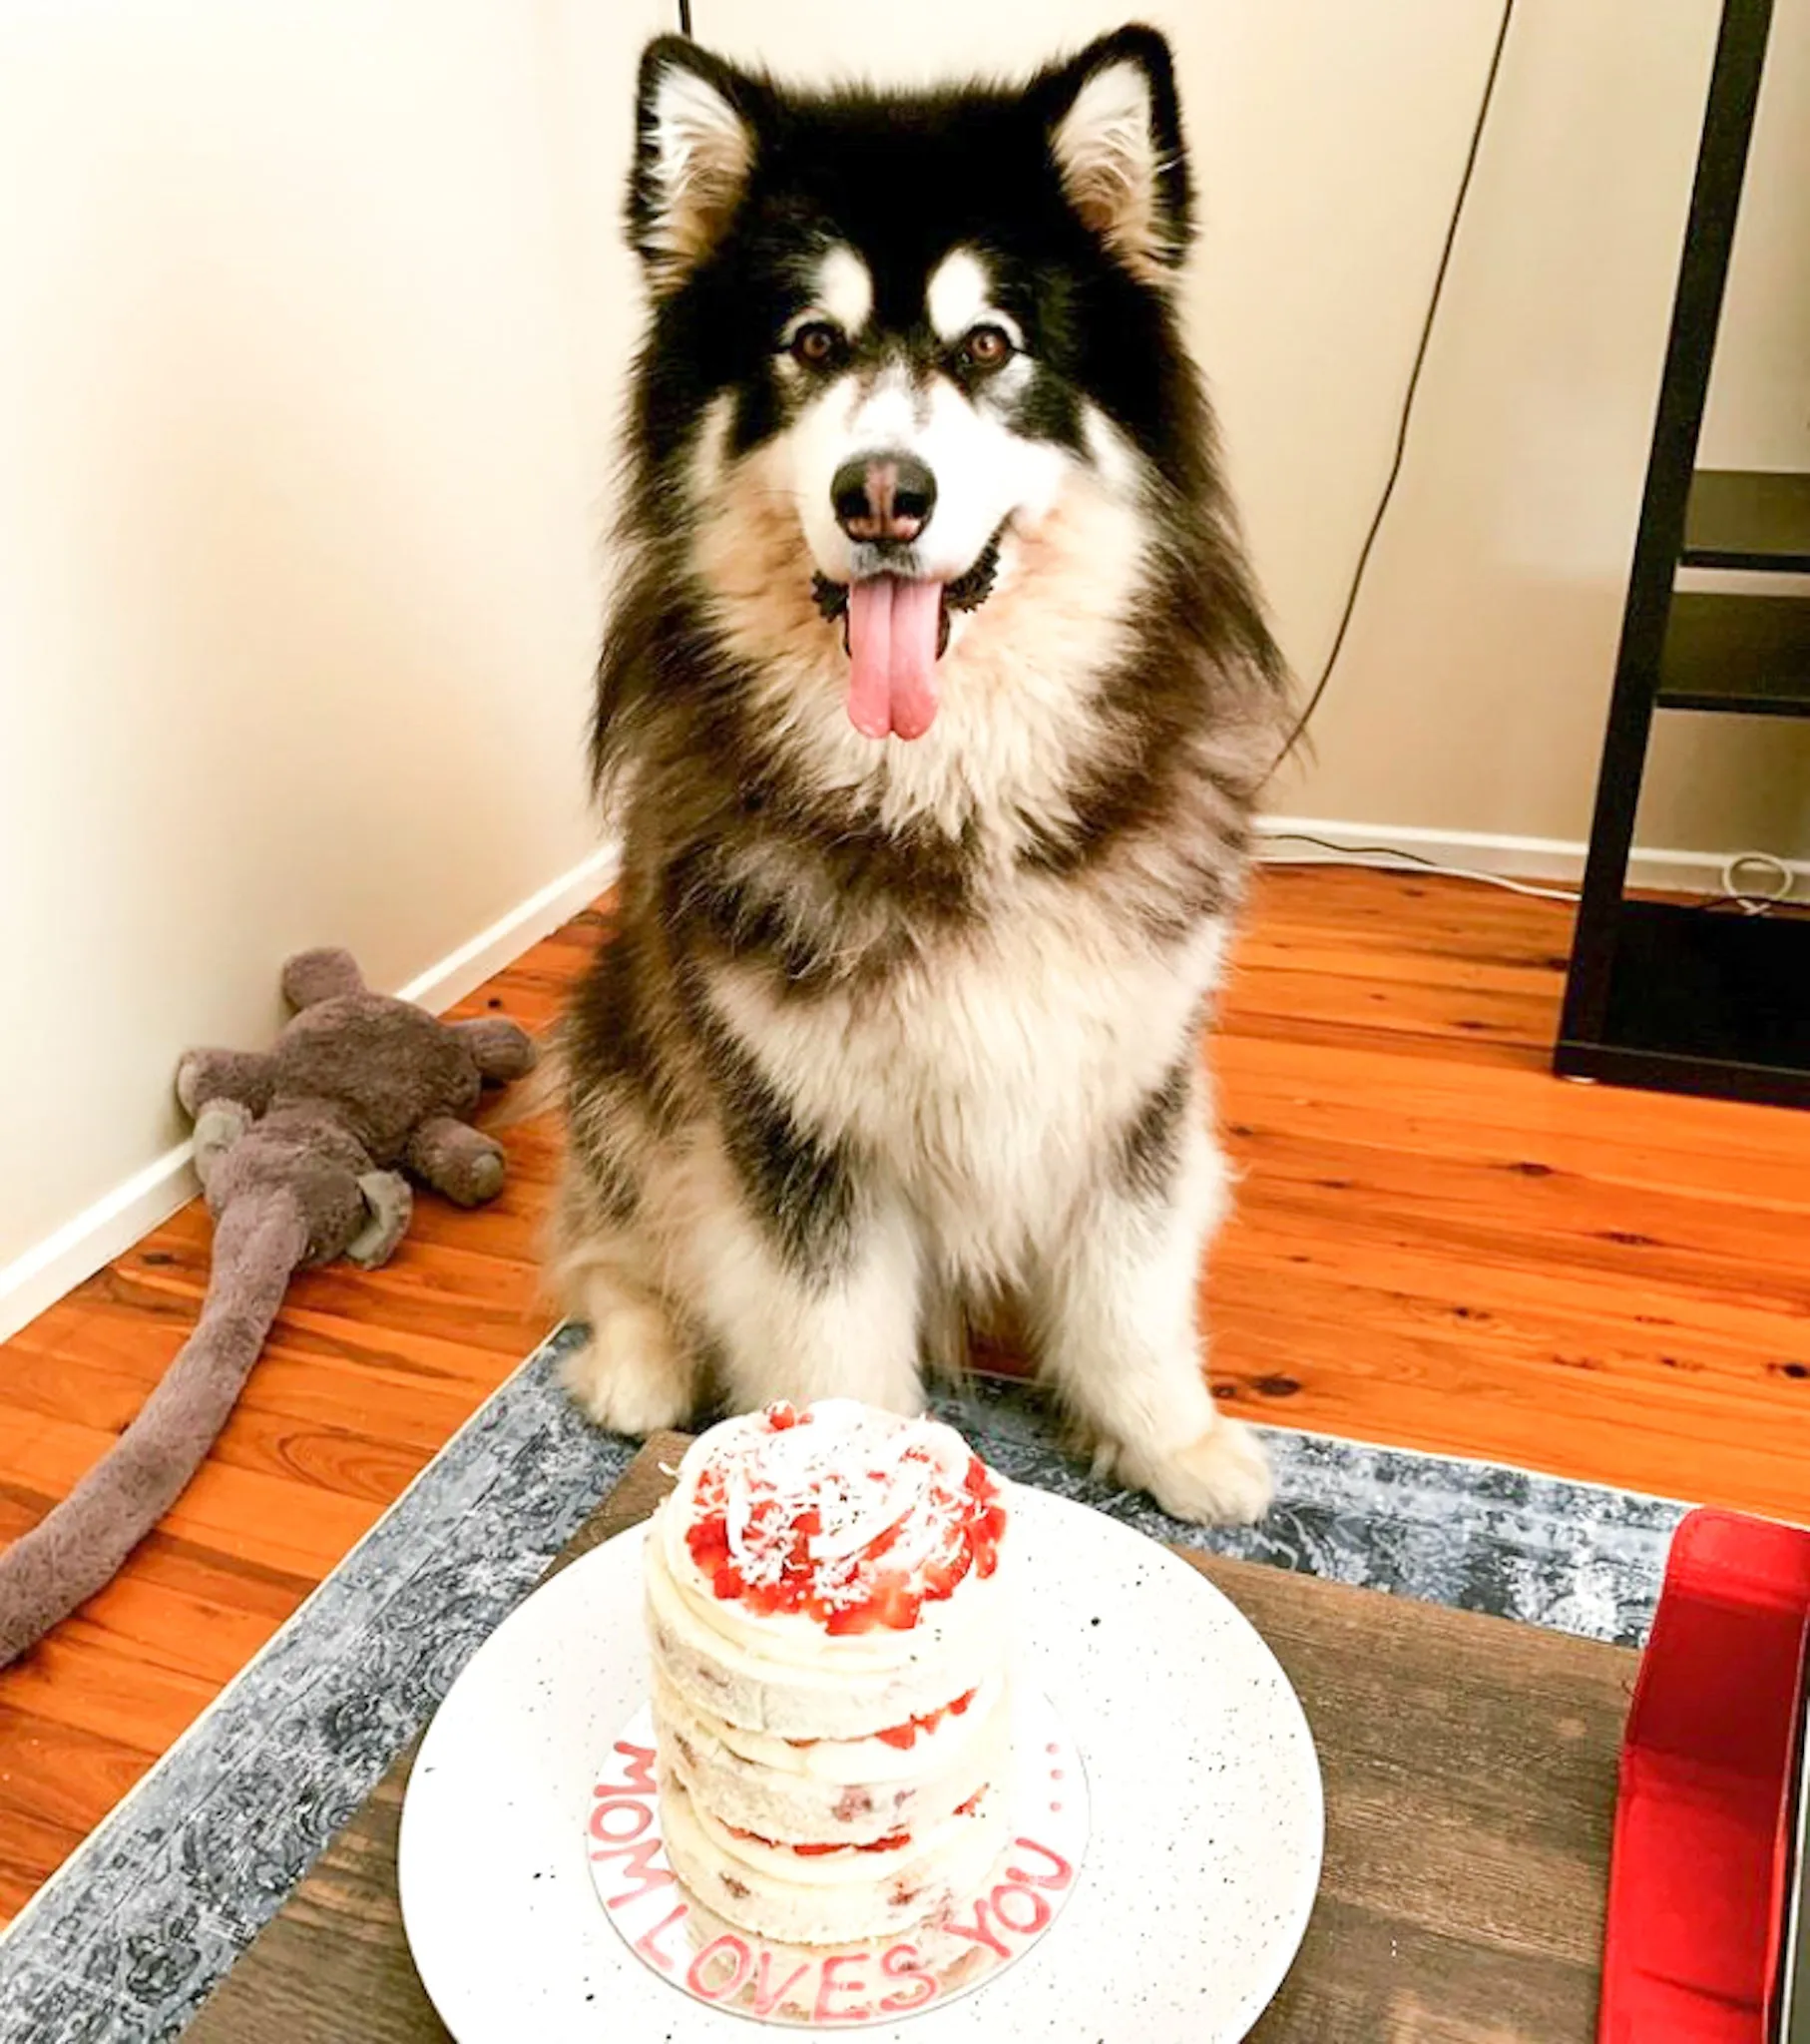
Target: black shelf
x,y
1748,518
1691,999
1736,653
1704,1001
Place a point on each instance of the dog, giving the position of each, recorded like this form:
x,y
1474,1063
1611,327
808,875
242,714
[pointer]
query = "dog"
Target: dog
x,y
934,700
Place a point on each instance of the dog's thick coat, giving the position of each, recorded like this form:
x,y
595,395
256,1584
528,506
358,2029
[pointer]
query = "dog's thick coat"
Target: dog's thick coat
x,y
898,1028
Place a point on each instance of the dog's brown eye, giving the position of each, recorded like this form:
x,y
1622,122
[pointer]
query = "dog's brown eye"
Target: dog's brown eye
x,y
986,347
817,345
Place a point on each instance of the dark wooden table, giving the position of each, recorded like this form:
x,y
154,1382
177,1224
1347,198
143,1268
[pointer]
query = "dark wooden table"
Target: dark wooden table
x,y
1469,1784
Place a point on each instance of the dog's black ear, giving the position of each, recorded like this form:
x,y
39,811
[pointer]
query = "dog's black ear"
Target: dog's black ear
x,y
695,146
1114,129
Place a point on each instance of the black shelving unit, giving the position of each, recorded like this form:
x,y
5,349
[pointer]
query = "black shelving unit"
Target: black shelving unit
x,y
1682,998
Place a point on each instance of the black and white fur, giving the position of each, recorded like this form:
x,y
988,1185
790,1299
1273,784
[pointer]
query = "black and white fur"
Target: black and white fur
x,y
894,1031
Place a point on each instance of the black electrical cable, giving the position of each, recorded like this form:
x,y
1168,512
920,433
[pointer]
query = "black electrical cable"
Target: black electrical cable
x,y
1408,396
684,17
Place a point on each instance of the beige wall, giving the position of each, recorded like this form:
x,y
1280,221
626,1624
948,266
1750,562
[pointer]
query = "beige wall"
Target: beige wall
x,y
1329,137
312,324
306,331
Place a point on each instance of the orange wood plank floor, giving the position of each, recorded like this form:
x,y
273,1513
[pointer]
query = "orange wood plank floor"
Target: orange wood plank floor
x,y
1437,1245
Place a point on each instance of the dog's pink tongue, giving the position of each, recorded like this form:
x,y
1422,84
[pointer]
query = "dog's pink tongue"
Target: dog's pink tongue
x,y
892,635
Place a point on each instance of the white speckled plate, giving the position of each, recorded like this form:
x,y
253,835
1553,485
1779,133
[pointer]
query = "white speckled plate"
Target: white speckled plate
x,y
1201,1871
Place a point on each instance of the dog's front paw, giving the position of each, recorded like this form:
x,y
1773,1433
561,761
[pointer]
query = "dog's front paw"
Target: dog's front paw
x,y
632,1375
1221,1479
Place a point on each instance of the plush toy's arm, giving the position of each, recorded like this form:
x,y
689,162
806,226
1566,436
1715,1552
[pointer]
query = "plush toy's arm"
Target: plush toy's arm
x,y
504,1049
246,1075
457,1159
390,1205
217,1126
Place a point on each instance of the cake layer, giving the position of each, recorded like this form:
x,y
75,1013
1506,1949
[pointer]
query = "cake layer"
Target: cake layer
x,y
835,1898
853,1790
783,1679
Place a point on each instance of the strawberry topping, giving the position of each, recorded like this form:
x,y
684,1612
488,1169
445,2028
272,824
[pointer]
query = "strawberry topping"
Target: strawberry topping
x,y
904,1736
853,1538
888,1844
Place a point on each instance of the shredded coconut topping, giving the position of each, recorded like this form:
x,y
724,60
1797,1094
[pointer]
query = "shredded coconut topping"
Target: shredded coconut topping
x,y
826,1509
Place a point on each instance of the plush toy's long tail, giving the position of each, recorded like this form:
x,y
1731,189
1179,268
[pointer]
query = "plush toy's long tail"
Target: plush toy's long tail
x,y
79,1547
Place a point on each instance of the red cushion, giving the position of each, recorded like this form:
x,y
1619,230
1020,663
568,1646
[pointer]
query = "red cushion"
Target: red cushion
x,y
1700,1861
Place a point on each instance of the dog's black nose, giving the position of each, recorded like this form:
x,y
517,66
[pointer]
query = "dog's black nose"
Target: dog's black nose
x,y
883,497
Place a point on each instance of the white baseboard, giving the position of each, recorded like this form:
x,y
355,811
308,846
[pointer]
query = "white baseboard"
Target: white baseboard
x,y
1557,861
510,936
93,1237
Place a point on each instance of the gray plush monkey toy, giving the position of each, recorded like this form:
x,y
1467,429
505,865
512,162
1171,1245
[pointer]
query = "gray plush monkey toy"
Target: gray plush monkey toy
x,y
300,1151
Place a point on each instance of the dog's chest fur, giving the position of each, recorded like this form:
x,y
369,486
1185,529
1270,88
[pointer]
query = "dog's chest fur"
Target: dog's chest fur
x,y
986,1076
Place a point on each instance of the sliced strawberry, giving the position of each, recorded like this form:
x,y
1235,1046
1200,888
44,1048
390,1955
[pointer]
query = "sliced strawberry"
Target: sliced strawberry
x,y
708,1541
905,1737
889,1844
893,1605
941,1577
890,1604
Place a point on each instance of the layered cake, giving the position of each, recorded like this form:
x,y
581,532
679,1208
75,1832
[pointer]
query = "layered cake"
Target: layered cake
x,y
827,1613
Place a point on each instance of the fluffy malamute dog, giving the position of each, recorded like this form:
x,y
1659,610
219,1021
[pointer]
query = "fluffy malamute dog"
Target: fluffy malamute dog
x,y
934,700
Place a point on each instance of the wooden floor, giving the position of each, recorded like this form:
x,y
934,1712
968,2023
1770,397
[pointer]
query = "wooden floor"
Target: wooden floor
x,y
1437,1243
